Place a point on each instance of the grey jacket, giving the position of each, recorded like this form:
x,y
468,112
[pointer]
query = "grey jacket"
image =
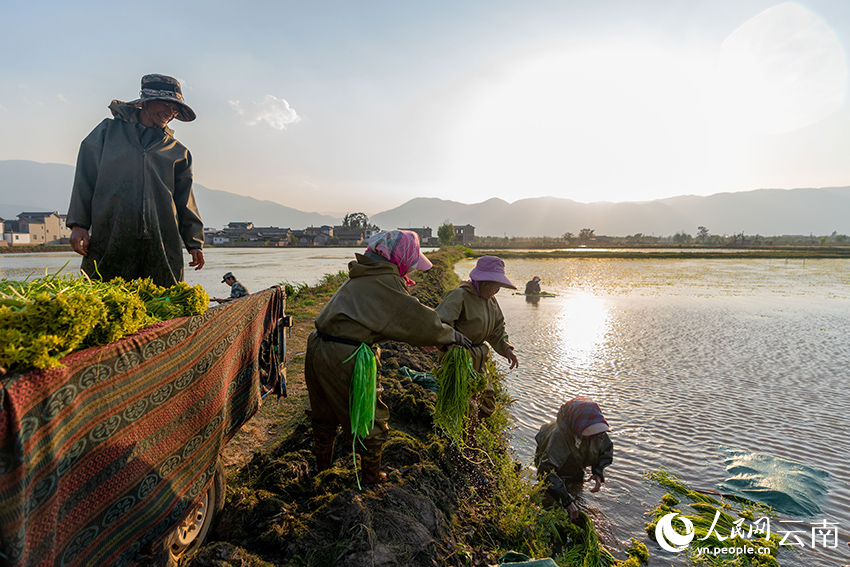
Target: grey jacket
x,y
373,306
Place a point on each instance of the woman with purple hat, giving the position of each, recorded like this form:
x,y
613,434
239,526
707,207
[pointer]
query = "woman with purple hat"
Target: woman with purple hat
x,y
132,208
472,309
575,440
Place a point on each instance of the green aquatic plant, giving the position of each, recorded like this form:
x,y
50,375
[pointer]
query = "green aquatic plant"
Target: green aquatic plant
x,y
585,549
718,523
126,313
179,300
362,398
293,290
458,382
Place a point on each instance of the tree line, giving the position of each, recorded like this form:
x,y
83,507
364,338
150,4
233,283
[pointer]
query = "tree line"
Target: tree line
x,y
704,237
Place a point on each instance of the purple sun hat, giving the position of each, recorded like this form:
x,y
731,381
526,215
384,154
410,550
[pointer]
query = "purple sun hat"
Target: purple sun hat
x,y
490,269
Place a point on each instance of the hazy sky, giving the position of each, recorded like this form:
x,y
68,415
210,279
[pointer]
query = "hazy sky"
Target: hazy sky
x,y
362,105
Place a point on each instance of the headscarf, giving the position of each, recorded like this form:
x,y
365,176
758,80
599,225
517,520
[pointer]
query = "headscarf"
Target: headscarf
x,y
578,414
401,247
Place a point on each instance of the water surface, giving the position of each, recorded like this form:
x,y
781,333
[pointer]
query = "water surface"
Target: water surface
x,y
686,358
256,268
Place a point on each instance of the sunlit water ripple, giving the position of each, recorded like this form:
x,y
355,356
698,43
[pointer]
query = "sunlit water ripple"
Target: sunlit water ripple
x,y
686,357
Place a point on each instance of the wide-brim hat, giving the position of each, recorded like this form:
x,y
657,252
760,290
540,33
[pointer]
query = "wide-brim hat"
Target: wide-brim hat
x,y
491,269
163,87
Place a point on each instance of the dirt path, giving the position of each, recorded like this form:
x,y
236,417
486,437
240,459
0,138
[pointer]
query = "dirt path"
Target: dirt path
x,y
275,414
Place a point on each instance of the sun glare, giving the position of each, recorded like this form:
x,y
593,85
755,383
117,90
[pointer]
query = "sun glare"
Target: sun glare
x,y
614,120
583,325
588,114
782,70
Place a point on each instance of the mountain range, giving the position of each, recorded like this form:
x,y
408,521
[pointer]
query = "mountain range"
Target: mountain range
x,y
32,186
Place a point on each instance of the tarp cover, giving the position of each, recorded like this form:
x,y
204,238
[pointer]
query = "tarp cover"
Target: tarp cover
x,y
786,486
514,559
101,457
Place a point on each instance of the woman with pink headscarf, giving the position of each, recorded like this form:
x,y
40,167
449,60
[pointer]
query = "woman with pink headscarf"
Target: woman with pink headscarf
x,y
372,306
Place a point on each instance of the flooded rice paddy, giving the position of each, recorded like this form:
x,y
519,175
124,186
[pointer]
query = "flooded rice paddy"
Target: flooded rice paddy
x,y
693,362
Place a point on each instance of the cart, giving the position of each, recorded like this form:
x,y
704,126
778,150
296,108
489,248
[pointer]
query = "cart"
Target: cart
x,y
113,458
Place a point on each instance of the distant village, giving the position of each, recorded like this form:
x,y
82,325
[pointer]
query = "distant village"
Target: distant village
x,y
48,228
35,229
246,234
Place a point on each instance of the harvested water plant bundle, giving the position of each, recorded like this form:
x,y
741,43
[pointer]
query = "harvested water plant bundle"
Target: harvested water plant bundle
x,y
45,319
458,382
362,400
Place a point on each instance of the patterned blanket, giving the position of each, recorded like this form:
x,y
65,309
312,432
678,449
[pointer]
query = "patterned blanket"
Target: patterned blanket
x,y
101,457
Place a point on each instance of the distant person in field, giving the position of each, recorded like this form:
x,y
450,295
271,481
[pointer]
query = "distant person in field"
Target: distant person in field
x,y
577,439
533,287
132,207
472,309
237,290
371,307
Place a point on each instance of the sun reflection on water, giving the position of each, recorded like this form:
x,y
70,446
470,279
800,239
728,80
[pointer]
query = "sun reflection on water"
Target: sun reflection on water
x,y
582,324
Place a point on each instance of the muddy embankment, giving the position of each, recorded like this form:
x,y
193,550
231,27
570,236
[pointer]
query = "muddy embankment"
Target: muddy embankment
x,y
440,506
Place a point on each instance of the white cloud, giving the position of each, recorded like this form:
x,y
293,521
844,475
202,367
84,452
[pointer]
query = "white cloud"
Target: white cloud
x,y
276,112
61,97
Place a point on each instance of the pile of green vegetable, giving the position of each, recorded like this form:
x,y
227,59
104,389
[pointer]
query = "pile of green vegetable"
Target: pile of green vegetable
x,y
44,319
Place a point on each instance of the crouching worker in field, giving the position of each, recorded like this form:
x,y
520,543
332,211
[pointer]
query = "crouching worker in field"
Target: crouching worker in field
x,y
372,306
533,287
575,440
472,309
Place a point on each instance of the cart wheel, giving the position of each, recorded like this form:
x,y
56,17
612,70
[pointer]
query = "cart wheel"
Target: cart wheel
x,y
189,535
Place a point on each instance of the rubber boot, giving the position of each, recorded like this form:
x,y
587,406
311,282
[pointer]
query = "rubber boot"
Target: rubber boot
x,y
324,437
370,462
323,449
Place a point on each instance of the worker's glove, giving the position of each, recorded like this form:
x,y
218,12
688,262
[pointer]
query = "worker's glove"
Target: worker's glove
x,y
461,340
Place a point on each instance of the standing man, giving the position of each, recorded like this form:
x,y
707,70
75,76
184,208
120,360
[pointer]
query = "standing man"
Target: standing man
x,y
132,207
237,290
